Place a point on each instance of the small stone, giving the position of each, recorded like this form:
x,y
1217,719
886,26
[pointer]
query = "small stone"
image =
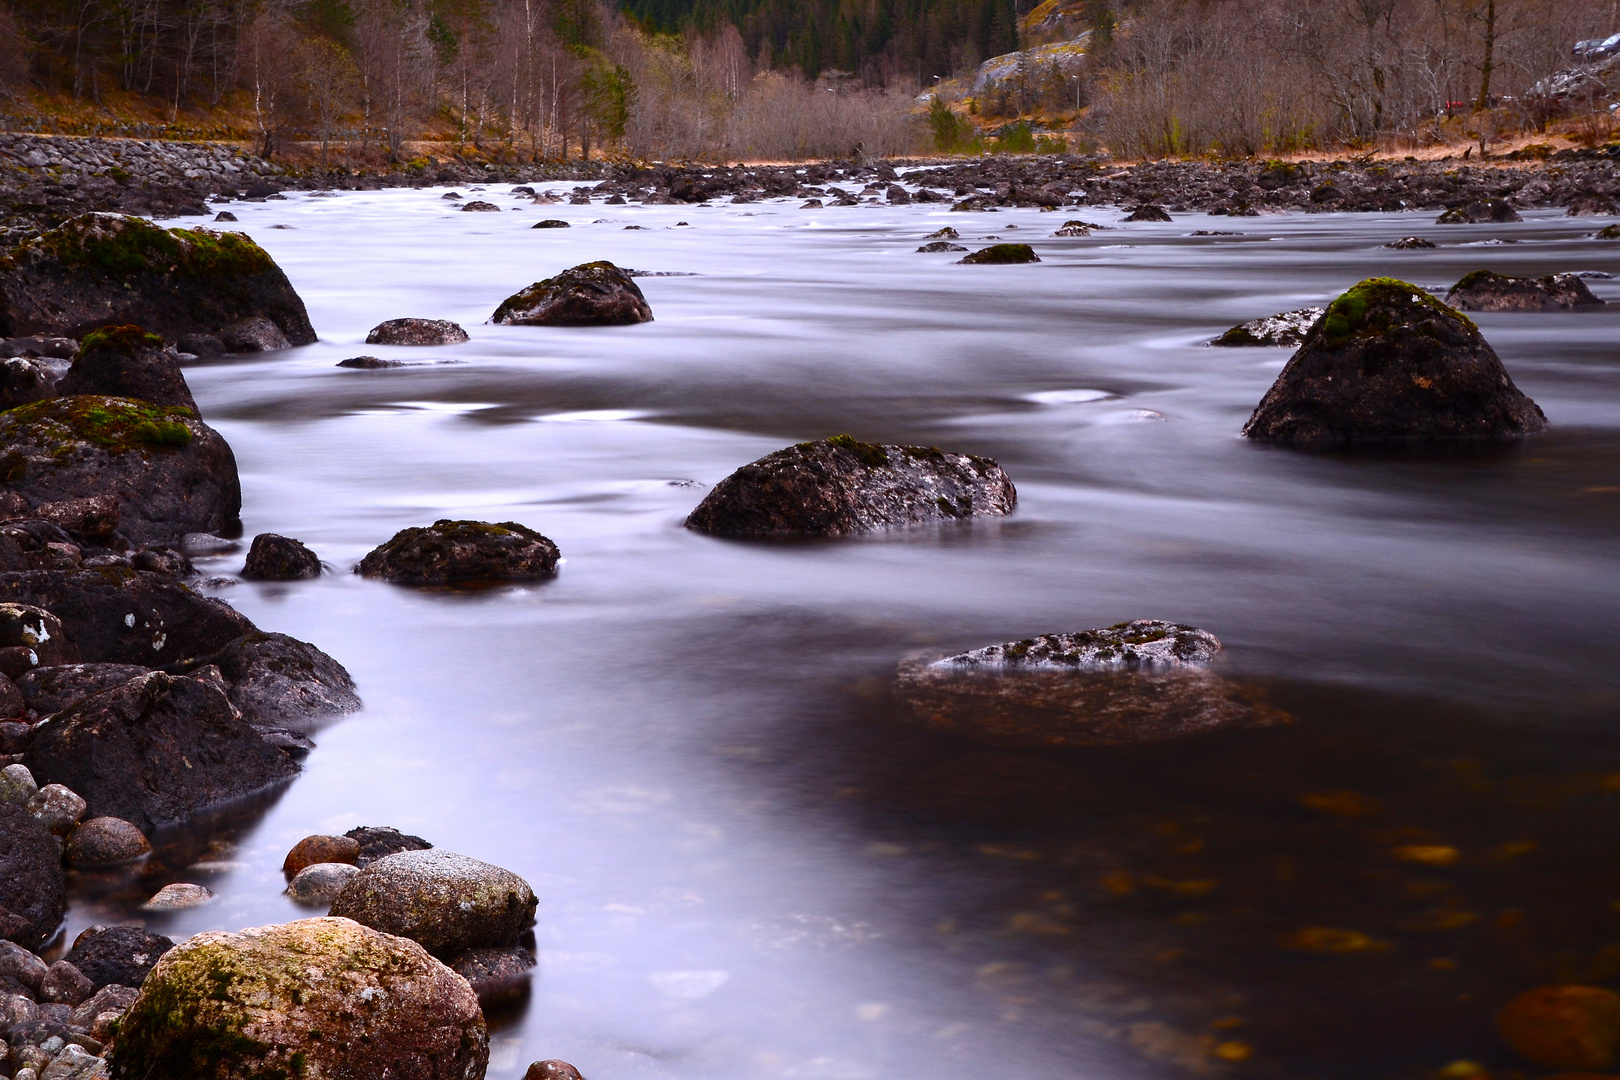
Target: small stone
x,y
178,897
57,807
64,984
1564,1028
17,785
318,884
75,1063
280,558
552,1070
416,332
18,963
321,849
106,841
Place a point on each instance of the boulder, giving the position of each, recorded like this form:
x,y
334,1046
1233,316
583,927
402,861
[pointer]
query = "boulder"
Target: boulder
x,y
117,955
1608,232
106,841
26,379
462,551
947,233
74,1062
592,294
1566,1029
1411,243
201,344
170,473
256,334
1287,329
155,750
416,332
320,849
498,976
380,841
318,884
33,897
840,486
1002,255
316,998
58,808
1140,682
52,689
1485,291
448,903
109,269
127,362
274,679
1148,212
280,558
1389,361
1480,211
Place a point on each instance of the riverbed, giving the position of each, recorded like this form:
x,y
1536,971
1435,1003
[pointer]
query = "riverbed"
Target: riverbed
x,y
750,863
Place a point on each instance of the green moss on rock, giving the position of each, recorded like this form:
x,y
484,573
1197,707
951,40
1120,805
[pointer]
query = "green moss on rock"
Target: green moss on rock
x,y
1347,316
121,339
112,423
122,247
871,454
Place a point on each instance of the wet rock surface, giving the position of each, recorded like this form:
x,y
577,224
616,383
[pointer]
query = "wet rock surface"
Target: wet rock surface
x,y
110,269
1389,361
117,955
298,998
416,332
461,551
592,294
33,899
280,558
1287,329
1486,291
840,486
448,903
128,362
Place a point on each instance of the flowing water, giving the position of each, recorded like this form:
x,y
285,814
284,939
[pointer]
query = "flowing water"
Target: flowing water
x,y
750,863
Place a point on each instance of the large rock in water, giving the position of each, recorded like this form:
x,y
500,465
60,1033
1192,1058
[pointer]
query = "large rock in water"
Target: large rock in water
x,y
1485,291
448,903
155,750
323,999
593,294
33,898
1139,682
171,473
128,362
1389,361
1287,329
104,269
461,551
840,486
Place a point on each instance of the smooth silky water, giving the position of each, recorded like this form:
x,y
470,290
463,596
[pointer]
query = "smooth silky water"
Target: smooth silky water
x,y
750,863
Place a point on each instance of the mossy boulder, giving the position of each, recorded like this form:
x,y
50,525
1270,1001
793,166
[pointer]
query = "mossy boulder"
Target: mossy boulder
x,y
128,362
171,473
592,294
1483,290
1389,361
1287,329
1140,682
448,903
1002,255
110,269
321,999
462,551
842,486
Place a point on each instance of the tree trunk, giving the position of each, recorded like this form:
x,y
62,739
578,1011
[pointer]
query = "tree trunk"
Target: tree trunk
x,y
1484,100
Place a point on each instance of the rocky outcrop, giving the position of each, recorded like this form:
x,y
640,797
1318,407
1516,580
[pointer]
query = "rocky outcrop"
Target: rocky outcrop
x,y
416,332
1485,291
170,473
461,551
127,362
1389,361
155,750
592,294
446,902
1002,255
1140,682
1287,329
280,558
841,486
316,998
33,899
108,269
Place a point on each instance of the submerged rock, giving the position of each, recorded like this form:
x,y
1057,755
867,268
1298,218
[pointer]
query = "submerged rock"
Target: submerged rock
x,y
117,955
1389,361
1499,211
446,902
840,486
171,473
1411,243
109,269
380,841
478,206
155,750
317,998
1567,1029
1002,255
416,332
1287,329
461,551
280,558
550,223
1485,291
555,1069
127,362
369,363
33,898
1140,682
592,294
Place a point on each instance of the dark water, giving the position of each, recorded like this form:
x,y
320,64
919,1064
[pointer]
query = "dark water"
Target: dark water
x,y
750,864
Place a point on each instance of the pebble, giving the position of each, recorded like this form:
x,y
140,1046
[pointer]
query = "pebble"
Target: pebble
x,y
178,897
106,841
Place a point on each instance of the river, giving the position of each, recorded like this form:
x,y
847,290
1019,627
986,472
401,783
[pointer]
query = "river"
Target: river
x,y
749,863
